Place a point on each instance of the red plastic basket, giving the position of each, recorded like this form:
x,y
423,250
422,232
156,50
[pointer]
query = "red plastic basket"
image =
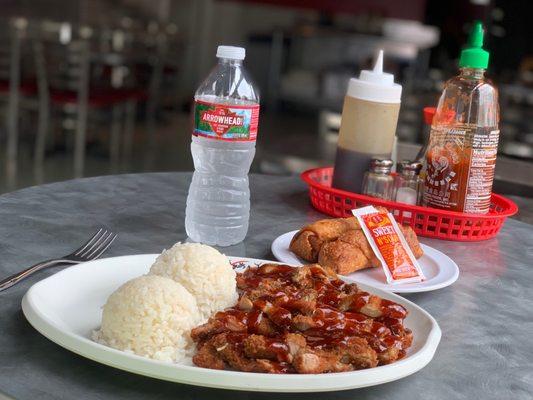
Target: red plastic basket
x,y
426,221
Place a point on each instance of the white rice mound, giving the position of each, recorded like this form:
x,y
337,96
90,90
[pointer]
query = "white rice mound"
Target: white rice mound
x,y
203,271
150,316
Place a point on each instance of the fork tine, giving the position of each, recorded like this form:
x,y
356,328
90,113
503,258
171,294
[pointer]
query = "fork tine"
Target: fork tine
x,y
103,248
96,244
88,243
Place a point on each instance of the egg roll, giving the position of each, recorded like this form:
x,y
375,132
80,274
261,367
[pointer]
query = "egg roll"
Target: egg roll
x,y
309,240
352,252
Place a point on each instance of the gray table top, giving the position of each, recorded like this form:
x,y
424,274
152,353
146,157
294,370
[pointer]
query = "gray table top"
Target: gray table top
x,y
486,316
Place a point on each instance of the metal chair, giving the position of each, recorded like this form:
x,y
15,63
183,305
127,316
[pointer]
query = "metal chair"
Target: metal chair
x,y
71,90
22,91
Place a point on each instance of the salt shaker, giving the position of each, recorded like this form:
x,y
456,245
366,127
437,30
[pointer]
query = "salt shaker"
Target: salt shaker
x,y
407,183
378,181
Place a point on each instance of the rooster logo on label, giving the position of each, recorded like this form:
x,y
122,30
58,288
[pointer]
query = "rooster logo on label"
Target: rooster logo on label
x,y
441,161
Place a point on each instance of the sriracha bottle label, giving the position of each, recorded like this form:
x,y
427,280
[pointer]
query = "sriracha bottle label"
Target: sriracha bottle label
x,y
460,167
226,122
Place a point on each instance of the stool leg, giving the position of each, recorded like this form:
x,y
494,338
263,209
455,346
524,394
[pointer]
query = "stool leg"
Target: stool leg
x,y
153,101
114,137
79,143
12,114
81,126
129,127
40,141
44,113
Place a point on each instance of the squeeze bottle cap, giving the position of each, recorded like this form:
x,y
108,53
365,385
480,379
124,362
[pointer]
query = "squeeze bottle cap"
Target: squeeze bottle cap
x,y
375,85
232,52
429,113
473,55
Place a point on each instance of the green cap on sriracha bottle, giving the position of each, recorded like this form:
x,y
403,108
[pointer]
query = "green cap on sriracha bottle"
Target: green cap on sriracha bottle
x,y
473,55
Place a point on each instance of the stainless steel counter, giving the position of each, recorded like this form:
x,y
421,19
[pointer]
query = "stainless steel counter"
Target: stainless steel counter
x,y
486,316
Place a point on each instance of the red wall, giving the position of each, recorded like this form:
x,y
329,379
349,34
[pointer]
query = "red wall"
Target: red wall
x,y
403,9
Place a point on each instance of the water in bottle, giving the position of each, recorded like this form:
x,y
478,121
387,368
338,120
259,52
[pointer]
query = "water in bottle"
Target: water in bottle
x,y
226,114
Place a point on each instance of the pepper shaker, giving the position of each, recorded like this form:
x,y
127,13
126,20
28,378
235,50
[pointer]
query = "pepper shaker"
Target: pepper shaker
x,y
377,181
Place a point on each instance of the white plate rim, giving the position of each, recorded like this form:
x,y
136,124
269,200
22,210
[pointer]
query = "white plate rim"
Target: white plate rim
x,y
451,266
234,380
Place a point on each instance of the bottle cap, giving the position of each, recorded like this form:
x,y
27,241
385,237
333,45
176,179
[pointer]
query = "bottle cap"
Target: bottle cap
x,y
473,55
429,113
375,85
232,52
381,165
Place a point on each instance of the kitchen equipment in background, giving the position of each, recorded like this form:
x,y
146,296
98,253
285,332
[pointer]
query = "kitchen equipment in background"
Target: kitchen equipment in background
x,y
368,126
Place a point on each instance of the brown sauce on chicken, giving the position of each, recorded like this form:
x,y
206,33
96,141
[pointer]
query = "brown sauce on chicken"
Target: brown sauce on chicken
x,y
301,320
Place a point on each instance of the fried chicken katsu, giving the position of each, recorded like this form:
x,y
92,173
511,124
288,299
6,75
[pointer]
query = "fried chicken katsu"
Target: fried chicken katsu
x,y
301,320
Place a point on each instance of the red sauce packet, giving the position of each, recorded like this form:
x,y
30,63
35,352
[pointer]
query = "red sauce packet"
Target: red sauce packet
x,y
389,245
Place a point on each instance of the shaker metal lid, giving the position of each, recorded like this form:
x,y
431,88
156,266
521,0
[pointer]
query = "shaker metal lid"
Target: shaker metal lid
x,y
408,166
381,165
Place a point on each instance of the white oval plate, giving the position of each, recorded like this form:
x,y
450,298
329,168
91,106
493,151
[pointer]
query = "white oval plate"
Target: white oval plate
x,y
67,307
439,269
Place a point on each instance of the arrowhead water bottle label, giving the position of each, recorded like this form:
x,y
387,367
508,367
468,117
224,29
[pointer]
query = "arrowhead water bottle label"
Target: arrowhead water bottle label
x,y
226,122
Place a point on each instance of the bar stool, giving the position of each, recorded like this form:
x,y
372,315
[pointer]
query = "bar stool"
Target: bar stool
x,y
22,91
69,75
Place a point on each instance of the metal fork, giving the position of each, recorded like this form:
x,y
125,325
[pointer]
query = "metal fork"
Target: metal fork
x,y
91,250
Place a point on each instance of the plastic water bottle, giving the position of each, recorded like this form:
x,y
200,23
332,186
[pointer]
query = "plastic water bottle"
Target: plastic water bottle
x,y
226,114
